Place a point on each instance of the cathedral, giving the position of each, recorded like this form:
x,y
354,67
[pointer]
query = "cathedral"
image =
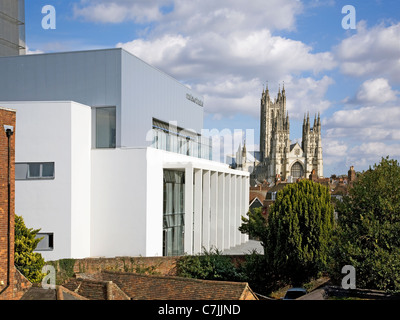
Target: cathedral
x,y
278,157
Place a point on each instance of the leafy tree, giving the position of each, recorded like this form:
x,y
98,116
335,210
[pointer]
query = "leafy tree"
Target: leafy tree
x,y
297,234
368,233
29,263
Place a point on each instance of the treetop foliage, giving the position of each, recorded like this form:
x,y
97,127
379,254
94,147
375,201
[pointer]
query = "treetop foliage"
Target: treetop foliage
x,y
29,263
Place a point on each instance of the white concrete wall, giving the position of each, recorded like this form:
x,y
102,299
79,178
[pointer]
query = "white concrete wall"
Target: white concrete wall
x,y
44,133
119,190
127,202
109,202
80,180
154,203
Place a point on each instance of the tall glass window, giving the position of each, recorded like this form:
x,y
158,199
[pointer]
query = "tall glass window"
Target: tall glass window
x,y
106,127
297,171
173,213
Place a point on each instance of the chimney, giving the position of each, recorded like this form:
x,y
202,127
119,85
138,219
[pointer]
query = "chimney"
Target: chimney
x,y
351,174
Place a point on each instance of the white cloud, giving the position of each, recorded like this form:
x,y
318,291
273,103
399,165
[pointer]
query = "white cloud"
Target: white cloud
x,y
307,95
258,54
162,51
365,116
29,51
224,49
376,91
195,16
238,68
365,123
371,52
369,153
334,148
376,119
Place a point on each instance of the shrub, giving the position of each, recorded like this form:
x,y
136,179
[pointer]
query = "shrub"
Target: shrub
x,y
29,263
210,265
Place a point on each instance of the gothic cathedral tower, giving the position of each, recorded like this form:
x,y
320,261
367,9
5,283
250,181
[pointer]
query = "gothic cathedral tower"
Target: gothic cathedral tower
x,y
312,145
278,157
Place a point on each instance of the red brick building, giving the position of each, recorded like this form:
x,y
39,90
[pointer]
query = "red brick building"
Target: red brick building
x,y
12,283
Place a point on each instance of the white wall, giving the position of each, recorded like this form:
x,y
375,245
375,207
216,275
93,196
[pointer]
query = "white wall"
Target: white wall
x,y
80,180
109,202
127,202
154,202
44,134
118,221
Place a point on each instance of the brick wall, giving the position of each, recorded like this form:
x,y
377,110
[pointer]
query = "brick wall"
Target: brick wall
x,y
149,265
159,265
7,272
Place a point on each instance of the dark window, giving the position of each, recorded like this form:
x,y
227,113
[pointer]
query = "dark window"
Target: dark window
x,y
173,213
106,127
47,243
34,170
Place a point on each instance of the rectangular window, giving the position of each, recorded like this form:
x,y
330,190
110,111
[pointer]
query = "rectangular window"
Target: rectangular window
x,y
173,213
106,127
34,170
47,243
171,138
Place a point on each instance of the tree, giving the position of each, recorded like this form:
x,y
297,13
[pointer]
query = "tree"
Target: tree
x,y
368,233
255,225
29,263
297,234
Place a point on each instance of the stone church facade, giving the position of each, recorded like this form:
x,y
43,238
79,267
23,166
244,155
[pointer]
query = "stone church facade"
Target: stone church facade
x,y
278,157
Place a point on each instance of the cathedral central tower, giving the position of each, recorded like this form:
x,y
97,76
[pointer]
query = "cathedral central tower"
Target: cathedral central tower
x,y
278,157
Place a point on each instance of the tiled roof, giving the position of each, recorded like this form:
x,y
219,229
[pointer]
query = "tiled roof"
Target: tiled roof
x,y
279,186
154,287
260,194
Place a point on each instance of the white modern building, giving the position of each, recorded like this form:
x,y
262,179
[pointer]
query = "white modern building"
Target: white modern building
x,y
110,160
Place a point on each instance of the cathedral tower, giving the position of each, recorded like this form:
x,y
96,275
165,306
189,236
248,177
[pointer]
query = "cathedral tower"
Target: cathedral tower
x,y
278,157
274,120
312,145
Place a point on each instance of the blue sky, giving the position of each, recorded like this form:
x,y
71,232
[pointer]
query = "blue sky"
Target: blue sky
x,y
228,49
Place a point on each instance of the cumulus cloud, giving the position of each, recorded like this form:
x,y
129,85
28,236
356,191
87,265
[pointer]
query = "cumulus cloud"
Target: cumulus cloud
x,y
365,123
334,147
376,91
230,71
368,153
376,117
226,49
307,95
371,52
334,151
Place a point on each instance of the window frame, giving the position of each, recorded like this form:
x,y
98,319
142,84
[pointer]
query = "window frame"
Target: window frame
x,y
50,241
96,139
27,174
